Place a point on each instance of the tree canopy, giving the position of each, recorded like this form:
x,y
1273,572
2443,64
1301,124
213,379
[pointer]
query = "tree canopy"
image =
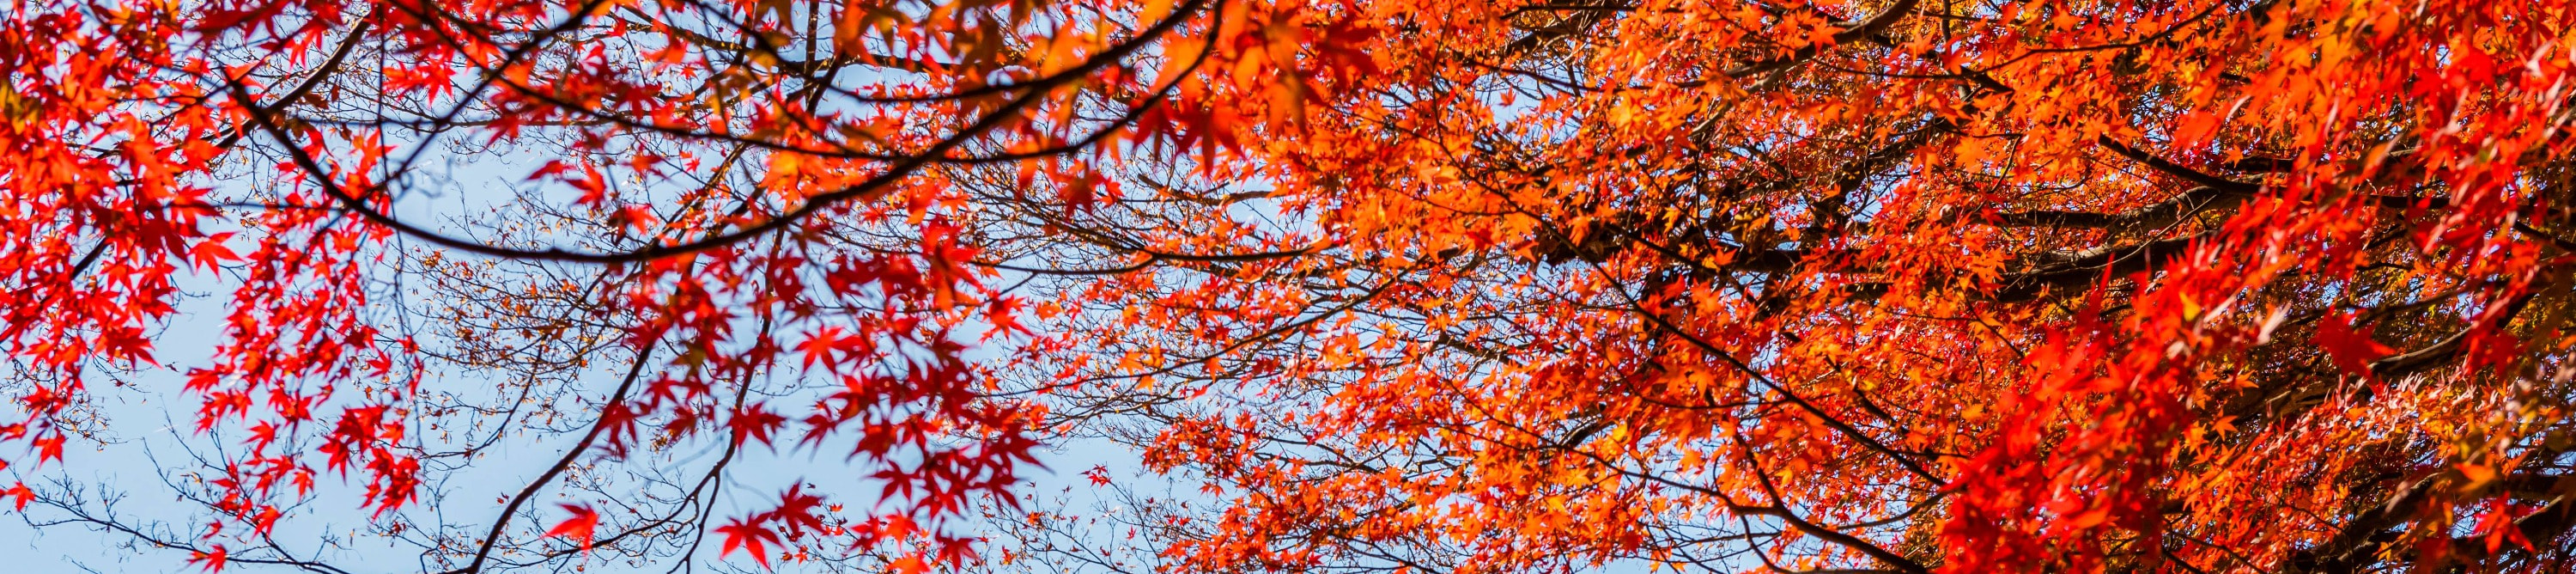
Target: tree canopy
x,y
1372,286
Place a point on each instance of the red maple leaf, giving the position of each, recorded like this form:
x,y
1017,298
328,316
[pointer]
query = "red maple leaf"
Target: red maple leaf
x,y
211,560
2351,348
211,252
754,423
20,492
909,564
749,536
796,510
578,527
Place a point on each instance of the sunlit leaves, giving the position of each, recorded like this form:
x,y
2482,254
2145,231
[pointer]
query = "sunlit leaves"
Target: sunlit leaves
x,y
1872,285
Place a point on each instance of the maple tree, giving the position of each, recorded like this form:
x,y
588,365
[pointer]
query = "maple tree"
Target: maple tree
x,y
1891,285
744,207
1885,286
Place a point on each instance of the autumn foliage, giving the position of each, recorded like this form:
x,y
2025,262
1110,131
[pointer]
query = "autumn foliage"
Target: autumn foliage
x,y
1373,285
